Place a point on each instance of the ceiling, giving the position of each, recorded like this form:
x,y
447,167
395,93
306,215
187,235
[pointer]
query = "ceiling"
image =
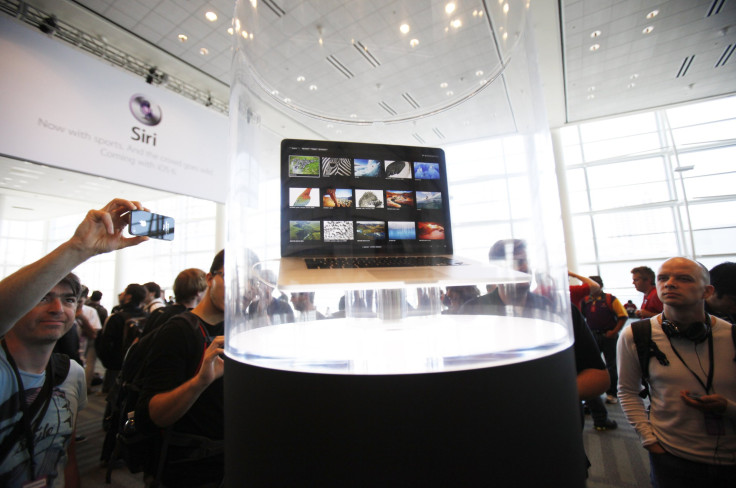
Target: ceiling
x,y
682,53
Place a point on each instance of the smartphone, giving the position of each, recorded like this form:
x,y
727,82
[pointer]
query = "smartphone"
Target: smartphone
x,y
149,224
694,396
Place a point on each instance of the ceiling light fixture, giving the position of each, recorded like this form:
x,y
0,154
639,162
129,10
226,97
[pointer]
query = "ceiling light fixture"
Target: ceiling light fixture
x,y
479,72
404,28
211,16
595,34
631,85
456,24
648,29
505,36
414,42
450,93
300,78
230,31
244,34
595,47
590,97
591,88
312,87
450,8
652,14
505,8
183,38
634,76
204,51
443,85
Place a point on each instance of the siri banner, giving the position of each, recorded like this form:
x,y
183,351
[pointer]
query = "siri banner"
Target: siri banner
x,y
65,108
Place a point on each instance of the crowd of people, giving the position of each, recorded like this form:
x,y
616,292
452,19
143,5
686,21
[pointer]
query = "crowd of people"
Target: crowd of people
x,y
164,367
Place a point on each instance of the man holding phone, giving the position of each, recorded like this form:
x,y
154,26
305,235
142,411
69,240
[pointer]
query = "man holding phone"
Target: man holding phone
x,y
690,428
39,304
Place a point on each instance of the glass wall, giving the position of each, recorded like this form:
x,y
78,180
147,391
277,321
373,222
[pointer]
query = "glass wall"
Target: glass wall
x,y
653,185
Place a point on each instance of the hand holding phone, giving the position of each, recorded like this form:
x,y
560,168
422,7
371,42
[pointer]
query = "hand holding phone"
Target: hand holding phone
x,y
149,224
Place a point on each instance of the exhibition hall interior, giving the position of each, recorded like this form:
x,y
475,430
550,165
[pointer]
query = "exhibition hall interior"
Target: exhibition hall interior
x,y
601,133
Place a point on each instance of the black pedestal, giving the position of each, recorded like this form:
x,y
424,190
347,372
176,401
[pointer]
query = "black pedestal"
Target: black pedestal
x,y
516,425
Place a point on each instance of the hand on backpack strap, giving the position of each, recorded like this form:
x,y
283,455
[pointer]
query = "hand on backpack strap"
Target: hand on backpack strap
x,y
212,366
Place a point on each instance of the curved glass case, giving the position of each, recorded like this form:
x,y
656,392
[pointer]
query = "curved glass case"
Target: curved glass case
x,y
359,130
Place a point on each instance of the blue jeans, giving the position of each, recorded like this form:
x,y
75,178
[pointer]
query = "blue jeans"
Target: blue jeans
x,y
668,471
607,345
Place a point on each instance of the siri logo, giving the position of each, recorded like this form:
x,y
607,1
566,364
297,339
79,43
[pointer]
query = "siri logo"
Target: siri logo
x,y
144,110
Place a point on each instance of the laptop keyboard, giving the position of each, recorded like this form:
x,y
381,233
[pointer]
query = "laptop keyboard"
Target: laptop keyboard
x,y
379,262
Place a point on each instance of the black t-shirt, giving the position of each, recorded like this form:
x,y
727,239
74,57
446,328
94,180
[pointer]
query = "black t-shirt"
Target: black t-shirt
x,y
587,354
174,358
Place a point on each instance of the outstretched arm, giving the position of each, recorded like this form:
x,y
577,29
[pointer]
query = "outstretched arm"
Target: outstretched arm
x,y
594,287
101,231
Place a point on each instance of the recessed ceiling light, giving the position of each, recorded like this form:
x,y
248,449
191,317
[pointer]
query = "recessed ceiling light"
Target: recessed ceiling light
x,y
443,85
244,34
450,8
300,78
590,97
591,88
211,16
648,29
595,47
595,34
183,38
404,28
652,14
414,42
479,72
450,93
274,92
456,24
505,36
353,116
505,8
287,100
312,87
634,76
204,51
631,85
230,30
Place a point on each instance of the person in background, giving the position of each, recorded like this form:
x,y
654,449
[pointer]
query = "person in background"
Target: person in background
x,y
456,296
606,317
630,309
94,302
304,304
189,288
579,292
39,303
643,278
722,303
689,427
153,298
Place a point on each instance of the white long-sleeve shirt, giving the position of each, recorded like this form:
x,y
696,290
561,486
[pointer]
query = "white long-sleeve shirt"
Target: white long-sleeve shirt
x,y
679,428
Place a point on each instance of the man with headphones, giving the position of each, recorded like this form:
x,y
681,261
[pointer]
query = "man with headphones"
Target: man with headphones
x,y
690,427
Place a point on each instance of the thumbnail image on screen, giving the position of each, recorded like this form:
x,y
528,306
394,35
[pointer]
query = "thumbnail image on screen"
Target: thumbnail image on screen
x,y
399,199
304,230
372,230
401,230
338,230
367,168
304,165
398,169
336,167
303,197
369,198
431,231
426,171
429,200
337,197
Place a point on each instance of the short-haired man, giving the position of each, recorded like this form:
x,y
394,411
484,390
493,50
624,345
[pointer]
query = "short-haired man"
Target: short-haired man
x,y
153,299
643,279
690,427
304,304
39,303
189,288
183,386
722,303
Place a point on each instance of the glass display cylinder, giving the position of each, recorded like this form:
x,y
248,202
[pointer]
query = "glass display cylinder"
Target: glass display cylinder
x,y
454,81
452,75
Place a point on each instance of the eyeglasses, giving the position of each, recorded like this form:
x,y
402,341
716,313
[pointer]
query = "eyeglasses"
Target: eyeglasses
x,y
221,273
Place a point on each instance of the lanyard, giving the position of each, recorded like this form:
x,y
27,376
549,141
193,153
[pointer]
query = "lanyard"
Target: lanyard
x,y
709,381
40,403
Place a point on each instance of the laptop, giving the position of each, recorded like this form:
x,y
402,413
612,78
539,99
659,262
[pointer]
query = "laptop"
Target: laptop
x,y
369,216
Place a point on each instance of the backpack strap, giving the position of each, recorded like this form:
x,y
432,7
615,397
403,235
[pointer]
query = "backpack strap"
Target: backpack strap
x,y
645,349
733,338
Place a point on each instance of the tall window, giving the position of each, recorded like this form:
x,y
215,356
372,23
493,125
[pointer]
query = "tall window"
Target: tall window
x,y
650,186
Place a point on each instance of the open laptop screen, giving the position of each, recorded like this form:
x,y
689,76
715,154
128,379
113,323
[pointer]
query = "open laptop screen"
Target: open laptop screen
x,y
354,199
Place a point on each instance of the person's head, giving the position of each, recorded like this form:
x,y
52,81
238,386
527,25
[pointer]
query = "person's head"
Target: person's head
x,y
683,284
52,317
134,295
153,291
510,250
303,301
216,282
643,278
723,279
189,286
96,296
458,295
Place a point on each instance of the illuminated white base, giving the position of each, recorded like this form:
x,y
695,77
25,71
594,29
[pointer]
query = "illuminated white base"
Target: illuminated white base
x,y
412,345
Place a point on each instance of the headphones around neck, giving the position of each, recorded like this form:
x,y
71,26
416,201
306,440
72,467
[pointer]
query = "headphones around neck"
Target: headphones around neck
x,y
696,332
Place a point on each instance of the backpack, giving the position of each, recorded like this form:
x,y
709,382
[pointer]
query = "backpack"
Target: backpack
x,y
119,332
646,348
603,312
131,435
